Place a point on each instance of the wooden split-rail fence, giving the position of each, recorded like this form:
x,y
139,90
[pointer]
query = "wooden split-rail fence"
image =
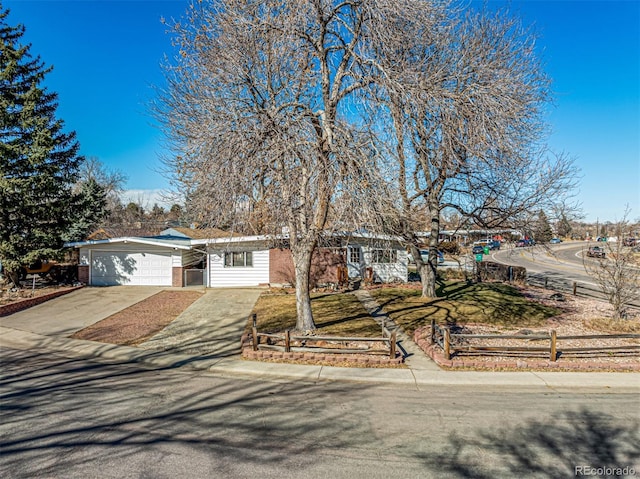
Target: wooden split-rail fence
x,y
452,343
288,342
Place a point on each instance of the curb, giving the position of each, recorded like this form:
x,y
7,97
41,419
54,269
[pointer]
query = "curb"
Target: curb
x,y
234,367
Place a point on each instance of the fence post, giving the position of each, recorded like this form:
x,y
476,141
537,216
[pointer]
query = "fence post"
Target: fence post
x,y
545,283
392,346
254,334
433,330
575,288
287,341
447,343
553,351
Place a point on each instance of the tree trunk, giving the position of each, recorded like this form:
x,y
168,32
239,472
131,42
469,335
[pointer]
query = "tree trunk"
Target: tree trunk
x,y
302,264
428,276
428,271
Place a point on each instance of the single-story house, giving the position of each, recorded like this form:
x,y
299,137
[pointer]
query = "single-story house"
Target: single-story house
x,y
214,258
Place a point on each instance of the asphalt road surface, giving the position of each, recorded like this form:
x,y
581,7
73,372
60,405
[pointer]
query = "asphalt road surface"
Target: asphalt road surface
x,y
557,266
71,418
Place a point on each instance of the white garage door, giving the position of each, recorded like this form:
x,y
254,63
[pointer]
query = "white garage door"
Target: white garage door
x,y
113,268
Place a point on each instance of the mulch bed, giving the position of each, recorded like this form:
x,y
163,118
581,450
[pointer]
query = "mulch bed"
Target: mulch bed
x,y
139,322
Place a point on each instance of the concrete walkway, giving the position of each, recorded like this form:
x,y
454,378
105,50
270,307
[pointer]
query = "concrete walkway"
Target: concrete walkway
x,y
415,357
210,327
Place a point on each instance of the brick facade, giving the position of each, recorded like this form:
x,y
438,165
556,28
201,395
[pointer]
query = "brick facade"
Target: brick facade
x,y
177,277
325,264
83,273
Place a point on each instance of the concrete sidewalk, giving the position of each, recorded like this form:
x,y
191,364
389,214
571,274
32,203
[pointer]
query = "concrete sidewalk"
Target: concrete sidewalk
x,y
233,367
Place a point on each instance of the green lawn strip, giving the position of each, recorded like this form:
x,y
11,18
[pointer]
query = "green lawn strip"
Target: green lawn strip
x,y
335,314
495,304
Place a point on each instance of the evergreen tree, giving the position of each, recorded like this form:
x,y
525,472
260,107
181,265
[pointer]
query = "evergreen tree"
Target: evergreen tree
x,y
38,161
564,227
543,232
90,209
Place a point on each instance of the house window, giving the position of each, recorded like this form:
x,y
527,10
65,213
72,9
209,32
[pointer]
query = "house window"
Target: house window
x,y
238,258
354,255
384,256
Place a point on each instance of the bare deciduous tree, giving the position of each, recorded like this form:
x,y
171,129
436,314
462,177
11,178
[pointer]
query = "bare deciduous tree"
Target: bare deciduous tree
x,y
112,181
261,113
617,273
464,99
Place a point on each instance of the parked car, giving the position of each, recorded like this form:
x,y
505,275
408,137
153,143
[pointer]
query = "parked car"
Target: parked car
x,y
631,242
495,244
555,241
483,242
596,252
524,242
424,254
477,249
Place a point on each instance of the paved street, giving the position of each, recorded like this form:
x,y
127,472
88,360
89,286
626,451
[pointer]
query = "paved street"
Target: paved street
x,y
75,418
557,266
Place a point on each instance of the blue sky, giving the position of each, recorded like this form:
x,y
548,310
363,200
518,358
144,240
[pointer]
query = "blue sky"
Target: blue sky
x,y
107,55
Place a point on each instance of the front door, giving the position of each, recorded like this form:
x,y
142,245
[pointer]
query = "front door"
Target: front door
x,y
355,261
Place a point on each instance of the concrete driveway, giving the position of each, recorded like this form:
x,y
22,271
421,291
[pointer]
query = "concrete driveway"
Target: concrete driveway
x,y
72,312
210,327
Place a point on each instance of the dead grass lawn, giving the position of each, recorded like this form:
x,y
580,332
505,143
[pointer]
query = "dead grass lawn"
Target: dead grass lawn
x,y
460,303
335,314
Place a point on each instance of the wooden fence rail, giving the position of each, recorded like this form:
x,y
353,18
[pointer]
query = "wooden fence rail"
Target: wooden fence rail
x,y
573,287
443,337
285,339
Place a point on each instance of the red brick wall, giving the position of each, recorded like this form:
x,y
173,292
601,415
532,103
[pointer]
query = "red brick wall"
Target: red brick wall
x,y
281,266
11,308
177,277
83,273
324,266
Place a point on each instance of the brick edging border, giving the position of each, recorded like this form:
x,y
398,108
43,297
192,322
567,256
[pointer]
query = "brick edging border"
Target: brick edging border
x,y
371,361
26,303
535,365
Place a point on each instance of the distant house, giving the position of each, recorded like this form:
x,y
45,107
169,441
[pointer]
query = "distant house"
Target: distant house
x,y
215,258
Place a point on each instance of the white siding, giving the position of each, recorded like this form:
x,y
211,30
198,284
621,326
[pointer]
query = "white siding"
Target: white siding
x,y
190,257
389,272
221,276
85,256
